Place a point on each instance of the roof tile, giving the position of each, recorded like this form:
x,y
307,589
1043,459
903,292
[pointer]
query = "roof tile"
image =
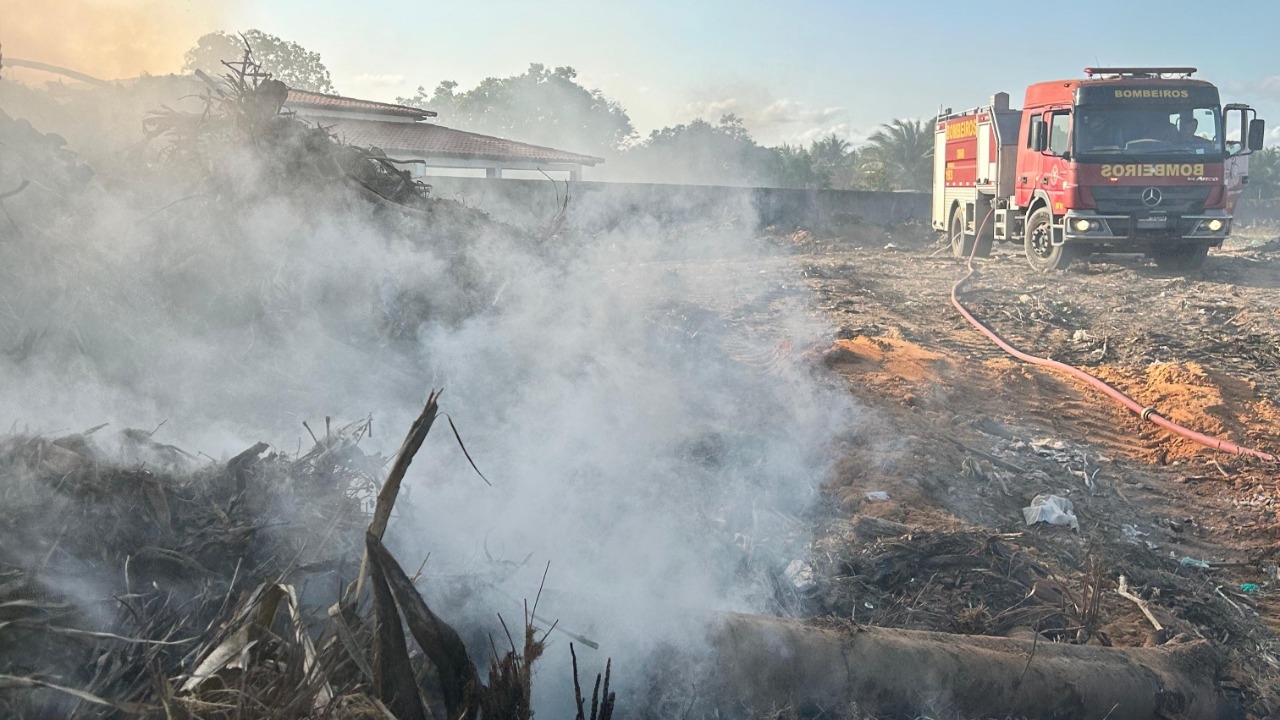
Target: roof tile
x,y
320,101
431,140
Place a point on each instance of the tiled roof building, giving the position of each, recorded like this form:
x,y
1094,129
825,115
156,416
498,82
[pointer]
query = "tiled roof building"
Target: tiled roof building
x,y
402,133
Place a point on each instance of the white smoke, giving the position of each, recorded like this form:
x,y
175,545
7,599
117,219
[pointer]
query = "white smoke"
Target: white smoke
x,y
637,397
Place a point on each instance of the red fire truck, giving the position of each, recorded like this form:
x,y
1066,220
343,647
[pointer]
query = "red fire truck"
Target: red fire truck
x,y
1126,160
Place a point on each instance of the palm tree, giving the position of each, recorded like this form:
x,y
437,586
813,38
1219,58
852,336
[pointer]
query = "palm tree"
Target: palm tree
x,y
831,151
1264,173
900,153
796,168
835,160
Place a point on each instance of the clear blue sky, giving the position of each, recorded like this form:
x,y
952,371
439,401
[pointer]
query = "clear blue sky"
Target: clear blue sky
x,y
793,70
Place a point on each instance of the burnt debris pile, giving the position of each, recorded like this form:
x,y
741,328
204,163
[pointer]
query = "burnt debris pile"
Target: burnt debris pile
x,y
114,571
225,183
140,581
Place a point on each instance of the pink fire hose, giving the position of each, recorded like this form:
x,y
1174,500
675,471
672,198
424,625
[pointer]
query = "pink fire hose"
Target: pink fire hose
x,y
1149,414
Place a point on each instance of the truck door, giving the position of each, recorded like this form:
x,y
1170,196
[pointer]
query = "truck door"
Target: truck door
x,y
1236,120
1046,170
1054,168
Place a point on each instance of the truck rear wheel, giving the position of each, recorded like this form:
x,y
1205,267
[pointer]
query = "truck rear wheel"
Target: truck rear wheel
x,y
1180,257
1038,244
962,244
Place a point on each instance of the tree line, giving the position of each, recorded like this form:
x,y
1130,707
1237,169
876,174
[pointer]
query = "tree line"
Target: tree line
x,y
548,106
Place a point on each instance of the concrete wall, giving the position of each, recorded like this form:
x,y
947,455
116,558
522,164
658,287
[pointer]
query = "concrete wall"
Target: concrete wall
x,y
595,205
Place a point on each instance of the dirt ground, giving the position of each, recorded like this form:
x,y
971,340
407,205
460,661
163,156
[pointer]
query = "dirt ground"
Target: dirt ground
x,y
961,437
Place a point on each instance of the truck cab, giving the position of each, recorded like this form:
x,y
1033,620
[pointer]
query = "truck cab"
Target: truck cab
x,y
1123,160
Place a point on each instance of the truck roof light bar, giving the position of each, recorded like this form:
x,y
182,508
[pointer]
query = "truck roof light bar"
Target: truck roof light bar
x,y
1139,71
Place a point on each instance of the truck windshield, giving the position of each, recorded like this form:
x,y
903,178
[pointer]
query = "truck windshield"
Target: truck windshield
x,y
1101,130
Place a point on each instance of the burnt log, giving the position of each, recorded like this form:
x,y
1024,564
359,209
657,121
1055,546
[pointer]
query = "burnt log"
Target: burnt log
x,y
768,664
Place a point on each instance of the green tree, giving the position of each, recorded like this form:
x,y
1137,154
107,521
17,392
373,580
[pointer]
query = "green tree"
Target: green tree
x,y
899,156
541,106
836,160
724,153
1264,174
287,61
830,151
797,167
701,153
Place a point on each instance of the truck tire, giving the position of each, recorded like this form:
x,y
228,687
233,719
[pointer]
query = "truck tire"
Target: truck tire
x,y
1038,244
962,244
1180,257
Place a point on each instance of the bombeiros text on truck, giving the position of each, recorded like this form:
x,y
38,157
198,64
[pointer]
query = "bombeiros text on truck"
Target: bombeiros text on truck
x,y
1125,160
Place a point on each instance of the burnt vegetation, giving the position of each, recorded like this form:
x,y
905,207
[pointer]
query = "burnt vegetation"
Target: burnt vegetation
x,y
229,590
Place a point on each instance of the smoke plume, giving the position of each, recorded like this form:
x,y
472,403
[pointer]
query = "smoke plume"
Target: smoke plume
x,y
635,395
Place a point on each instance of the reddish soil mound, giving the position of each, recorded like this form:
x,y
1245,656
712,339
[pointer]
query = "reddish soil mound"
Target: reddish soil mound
x,y
885,359
1204,400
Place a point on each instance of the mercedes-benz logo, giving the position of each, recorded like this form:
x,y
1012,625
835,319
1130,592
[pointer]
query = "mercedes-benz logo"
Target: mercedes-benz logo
x,y
1151,197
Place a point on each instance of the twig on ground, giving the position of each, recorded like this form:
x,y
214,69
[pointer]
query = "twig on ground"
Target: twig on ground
x,y
1142,604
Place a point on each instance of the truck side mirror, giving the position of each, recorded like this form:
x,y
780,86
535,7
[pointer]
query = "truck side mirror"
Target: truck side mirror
x,y
1039,138
1257,133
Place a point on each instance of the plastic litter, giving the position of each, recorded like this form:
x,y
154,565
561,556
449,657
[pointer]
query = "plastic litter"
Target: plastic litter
x,y
1134,535
1052,509
878,495
1048,447
1192,562
800,574
1249,588
1131,532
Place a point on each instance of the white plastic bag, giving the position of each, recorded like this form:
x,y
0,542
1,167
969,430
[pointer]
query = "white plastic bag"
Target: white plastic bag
x,y
1052,509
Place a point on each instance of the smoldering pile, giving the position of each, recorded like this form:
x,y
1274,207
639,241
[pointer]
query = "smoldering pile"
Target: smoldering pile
x,y
230,589
115,569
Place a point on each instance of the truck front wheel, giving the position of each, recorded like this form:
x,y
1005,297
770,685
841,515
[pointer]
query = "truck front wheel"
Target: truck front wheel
x,y
1038,243
1181,257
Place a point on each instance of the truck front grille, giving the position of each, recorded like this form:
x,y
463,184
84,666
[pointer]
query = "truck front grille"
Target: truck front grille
x,y
1176,200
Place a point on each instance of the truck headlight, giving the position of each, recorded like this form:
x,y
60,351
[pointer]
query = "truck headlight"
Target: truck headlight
x,y
1215,225
1083,226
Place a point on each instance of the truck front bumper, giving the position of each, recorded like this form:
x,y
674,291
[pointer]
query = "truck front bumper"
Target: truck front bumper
x,y
1085,226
